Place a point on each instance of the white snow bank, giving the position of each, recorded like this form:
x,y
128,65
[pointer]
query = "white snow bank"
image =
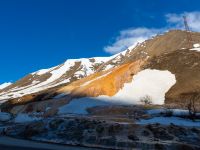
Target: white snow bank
x,y
152,83
20,118
4,85
169,120
5,116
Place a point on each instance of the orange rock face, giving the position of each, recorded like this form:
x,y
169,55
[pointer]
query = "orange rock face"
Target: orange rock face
x,y
104,83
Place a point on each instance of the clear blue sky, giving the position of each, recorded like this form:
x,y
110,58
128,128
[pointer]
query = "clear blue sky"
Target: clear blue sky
x,y
36,34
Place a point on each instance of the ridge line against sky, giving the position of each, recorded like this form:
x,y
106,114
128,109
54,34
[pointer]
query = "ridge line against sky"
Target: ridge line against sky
x,y
39,34
132,36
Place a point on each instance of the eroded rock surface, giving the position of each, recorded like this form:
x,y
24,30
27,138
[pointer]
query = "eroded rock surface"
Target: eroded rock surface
x,y
107,134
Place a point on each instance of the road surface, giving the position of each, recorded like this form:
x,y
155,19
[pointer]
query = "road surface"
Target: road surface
x,y
8,143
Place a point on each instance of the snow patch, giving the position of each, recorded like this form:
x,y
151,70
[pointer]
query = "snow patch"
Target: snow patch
x,y
4,85
169,120
20,118
174,112
79,106
87,83
196,47
152,83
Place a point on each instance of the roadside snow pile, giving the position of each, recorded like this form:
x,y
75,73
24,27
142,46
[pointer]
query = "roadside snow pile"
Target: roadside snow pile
x,y
4,85
20,118
5,116
169,120
196,47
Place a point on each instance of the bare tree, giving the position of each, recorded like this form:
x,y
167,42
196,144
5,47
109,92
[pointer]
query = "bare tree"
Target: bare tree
x,y
192,98
147,100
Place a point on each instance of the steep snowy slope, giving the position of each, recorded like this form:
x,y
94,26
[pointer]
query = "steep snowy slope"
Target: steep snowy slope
x,y
4,85
67,72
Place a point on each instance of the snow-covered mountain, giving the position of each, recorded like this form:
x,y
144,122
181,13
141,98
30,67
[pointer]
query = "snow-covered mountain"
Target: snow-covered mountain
x,y
66,73
159,69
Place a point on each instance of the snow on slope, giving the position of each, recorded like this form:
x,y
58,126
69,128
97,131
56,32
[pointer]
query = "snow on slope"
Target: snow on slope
x,y
104,75
154,83
79,106
55,78
168,120
173,112
21,118
148,82
196,47
4,85
56,75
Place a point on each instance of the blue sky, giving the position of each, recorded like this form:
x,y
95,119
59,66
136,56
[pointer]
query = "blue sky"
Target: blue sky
x,y
36,34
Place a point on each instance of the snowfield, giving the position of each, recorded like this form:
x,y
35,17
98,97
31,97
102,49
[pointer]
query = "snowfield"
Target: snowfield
x,y
148,82
4,85
154,83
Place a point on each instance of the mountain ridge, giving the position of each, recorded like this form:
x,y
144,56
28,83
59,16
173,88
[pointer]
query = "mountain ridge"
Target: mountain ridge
x,y
110,75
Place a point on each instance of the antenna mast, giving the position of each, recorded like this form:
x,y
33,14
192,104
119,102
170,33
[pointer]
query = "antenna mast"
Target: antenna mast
x,y
189,36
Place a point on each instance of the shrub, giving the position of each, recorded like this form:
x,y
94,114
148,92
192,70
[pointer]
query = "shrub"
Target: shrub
x,y
147,100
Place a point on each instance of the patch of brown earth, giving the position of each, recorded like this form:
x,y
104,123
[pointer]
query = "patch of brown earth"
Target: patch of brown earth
x,y
185,65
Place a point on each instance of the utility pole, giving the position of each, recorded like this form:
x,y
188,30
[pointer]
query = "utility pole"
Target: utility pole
x,y
188,32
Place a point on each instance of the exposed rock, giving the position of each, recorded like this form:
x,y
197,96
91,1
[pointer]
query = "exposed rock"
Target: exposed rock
x,y
94,133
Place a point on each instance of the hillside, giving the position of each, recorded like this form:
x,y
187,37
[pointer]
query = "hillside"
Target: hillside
x,y
101,76
147,97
